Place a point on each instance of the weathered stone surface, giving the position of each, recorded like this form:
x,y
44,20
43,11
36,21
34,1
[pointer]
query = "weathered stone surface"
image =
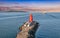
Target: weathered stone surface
x,y
28,32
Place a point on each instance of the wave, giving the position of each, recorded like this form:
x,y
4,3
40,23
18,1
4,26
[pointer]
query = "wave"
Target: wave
x,y
12,17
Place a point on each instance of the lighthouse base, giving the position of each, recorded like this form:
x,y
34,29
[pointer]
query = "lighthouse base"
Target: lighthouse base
x,y
28,32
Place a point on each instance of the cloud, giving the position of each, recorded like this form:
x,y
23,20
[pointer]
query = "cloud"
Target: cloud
x,y
33,4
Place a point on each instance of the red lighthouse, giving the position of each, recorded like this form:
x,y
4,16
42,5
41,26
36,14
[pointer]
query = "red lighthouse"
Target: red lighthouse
x,y
30,18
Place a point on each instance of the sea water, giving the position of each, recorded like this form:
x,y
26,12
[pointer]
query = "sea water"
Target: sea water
x,y
11,21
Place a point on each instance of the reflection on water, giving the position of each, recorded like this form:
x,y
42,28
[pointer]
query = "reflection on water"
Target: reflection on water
x,y
49,24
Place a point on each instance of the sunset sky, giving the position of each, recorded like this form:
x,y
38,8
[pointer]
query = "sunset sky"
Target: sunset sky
x,y
31,3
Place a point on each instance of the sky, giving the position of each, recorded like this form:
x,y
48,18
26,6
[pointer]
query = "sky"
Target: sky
x,y
32,3
28,0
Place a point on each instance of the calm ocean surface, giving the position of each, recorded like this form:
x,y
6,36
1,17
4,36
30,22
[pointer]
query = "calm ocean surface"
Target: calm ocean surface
x,y
49,24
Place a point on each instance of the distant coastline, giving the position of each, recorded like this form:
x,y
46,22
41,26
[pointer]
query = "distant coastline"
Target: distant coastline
x,y
26,9
30,12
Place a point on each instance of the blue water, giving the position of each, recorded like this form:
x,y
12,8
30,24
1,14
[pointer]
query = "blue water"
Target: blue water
x,y
49,24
